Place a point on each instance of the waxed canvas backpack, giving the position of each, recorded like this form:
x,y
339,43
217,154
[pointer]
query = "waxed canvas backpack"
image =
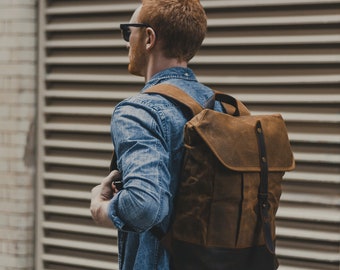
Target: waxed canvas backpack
x,y
230,186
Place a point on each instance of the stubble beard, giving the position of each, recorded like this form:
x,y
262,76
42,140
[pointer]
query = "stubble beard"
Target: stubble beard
x,y
137,63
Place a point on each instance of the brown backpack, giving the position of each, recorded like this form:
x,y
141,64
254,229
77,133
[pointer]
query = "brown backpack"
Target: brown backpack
x,y
230,186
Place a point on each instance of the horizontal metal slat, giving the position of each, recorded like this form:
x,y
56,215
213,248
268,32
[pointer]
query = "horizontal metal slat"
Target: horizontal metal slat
x,y
314,138
258,3
66,194
315,255
77,145
307,266
285,267
289,98
76,161
89,60
77,9
267,59
317,158
216,80
86,26
89,43
271,80
98,95
305,234
80,245
313,177
320,199
310,213
90,230
73,178
66,210
272,40
202,59
88,128
274,21
68,260
78,110
94,78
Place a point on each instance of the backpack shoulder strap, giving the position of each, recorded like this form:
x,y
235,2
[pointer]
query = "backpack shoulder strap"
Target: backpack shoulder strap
x,y
231,105
177,94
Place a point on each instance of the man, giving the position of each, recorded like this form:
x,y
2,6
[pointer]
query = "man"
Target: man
x,y
147,130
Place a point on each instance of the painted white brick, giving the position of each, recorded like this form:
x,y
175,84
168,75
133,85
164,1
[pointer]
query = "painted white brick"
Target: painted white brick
x,y
11,98
15,261
20,248
4,166
5,3
18,138
4,83
3,247
27,97
18,166
18,42
3,193
24,179
4,220
21,125
22,196
12,152
14,235
12,84
28,27
5,56
21,69
23,2
18,54
24,55
22,112
20,221
18,13
4,111
7,125
27,83
17,207
4,26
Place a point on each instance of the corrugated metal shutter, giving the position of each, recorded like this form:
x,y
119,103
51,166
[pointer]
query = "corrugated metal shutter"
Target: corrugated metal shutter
x,y
277,56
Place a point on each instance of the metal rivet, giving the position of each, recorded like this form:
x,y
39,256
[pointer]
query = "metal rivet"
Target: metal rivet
x,y
264,159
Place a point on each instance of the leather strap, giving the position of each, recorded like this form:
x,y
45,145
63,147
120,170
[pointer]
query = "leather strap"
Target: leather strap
x,y
231,105
263,192
177,94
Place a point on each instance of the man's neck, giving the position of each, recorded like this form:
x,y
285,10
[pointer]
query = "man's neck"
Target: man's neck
x,y
157,64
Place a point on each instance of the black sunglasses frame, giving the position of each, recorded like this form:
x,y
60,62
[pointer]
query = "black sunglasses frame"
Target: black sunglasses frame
x,y
126,32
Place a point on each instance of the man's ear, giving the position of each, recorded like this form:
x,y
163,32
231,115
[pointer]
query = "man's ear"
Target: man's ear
x,y
150,38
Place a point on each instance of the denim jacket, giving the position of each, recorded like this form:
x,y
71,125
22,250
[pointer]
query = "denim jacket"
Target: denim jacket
x,y
147,133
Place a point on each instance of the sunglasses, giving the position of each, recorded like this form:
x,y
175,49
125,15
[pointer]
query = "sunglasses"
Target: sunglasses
x,y
126,32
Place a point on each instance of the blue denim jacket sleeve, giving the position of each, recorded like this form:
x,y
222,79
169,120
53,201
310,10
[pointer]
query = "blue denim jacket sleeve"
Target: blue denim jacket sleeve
x,y
138,134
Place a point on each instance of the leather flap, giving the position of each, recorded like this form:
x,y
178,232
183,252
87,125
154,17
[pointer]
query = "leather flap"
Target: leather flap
x,y
233,140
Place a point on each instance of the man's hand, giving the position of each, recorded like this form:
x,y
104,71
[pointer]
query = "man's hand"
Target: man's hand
x,y
100,199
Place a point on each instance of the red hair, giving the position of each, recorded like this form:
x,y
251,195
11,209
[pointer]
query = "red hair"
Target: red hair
x,y
180,25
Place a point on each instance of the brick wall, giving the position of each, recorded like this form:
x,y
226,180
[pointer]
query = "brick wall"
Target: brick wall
x,y
17,114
